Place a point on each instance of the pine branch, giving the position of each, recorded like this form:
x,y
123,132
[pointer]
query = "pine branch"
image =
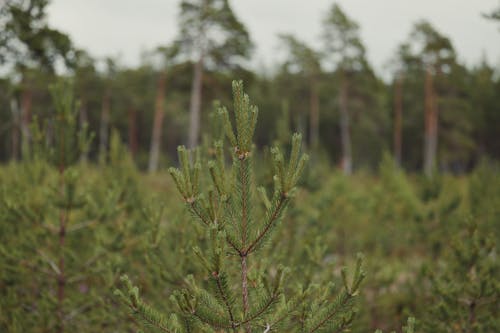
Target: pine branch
x,y
284,185
276,214
141,309
295,303
193,207
262,309
212,321
225,299
342,300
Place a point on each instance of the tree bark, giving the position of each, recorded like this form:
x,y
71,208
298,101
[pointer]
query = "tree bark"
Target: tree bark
x,y
84,121
154,153
26,105
314,115
431,125
195,104
132,131
398,119
104,126
16,123
345,135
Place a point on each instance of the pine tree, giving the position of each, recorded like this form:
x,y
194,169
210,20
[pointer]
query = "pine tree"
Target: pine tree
x,y
307,61
465,289
28,43
238,295
345,50
409,328
213,35
54,243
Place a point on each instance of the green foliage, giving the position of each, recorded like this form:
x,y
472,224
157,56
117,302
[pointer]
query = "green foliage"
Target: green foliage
x,y
465,291
26,37
56,245
409,328
253,260
201,24
342,41
309,79
237,230
120,220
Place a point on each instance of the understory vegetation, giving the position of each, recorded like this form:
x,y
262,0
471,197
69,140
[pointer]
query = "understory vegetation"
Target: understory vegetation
x,y
70,231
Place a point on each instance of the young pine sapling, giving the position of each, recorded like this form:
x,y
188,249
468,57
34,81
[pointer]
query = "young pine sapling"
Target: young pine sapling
x,y
237,296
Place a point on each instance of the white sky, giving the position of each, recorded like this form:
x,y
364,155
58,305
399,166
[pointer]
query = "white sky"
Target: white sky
x,y
125,28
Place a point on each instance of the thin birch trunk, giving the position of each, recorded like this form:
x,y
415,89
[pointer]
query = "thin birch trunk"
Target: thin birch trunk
x,y
314,115
345,135
154,154
26,105
16,123
195,104
104,127
431,125
398,119
132,131
84,120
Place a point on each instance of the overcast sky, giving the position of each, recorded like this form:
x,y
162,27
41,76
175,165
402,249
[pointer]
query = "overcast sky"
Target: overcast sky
x,y
125,28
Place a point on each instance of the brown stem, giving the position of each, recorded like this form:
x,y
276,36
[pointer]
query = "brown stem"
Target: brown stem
x,y
244,289
63,216
61,278
472,316
244,206
244,221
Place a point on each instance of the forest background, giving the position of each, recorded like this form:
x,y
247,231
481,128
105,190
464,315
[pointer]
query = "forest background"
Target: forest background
x,y
447,117
403,168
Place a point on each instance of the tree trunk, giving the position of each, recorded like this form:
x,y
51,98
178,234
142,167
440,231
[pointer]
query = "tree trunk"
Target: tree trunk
x,y
84,121
345,136
16,123
26,105
431,125
154,153
314,115
104,127
398,119
195,104
132,131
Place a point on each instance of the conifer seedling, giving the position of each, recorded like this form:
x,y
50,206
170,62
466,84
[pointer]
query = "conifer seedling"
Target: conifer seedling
x,y
237,295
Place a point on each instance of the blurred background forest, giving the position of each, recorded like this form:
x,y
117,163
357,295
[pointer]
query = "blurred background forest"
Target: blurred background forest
x,y
404,167
430,110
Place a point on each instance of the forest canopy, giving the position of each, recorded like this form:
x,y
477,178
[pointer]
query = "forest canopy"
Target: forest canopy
x,y
432,112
